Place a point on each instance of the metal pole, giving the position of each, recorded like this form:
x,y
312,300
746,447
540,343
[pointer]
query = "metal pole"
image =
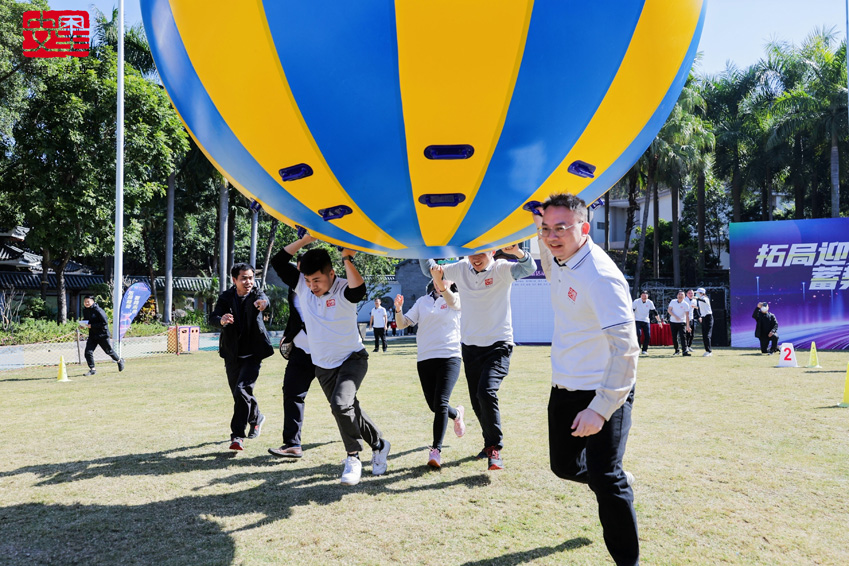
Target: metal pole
x,y
224,208
118,290
169,250
254,230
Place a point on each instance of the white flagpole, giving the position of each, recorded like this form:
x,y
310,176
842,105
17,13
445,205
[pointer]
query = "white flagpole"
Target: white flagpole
x,y
119,190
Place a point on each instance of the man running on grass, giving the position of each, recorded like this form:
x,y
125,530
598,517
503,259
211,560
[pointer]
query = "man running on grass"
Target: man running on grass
x,y
329,309
594,354
486,330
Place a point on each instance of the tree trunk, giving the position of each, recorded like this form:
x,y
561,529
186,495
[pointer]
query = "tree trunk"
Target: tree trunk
x,y
639,268
656,246
633,179
676,258
798,182
816,206
62,302
45,272
765,201
271,237
223,211
169,251
736,195
151,272
835,174
700,220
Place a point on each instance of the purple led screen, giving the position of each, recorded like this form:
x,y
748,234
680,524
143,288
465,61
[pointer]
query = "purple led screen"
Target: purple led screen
x,y
801,268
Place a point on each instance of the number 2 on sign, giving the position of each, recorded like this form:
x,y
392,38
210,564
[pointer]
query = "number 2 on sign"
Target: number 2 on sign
x,y
787,355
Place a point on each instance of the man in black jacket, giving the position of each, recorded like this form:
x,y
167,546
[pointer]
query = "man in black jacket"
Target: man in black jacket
x,y
299,374
98,334
766,328
244,343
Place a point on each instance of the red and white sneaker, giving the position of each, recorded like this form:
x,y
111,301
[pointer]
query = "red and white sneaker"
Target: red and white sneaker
x,y
237,444
494,460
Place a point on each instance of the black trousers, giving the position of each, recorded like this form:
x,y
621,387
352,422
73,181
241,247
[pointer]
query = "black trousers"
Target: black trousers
x,y
707,329
379,335
597,461
486,367
689,335
340,386
438,377
678,335
765,341
297,379
644,328
242,374
92,343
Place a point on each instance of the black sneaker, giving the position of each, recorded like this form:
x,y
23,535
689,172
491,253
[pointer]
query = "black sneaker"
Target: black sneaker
x,y
121,364
256,429
482,454
686,354
92,371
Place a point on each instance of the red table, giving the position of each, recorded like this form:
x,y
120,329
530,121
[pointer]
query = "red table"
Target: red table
x,y
661,335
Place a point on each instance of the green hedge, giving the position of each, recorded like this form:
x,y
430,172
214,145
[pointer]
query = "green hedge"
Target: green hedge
x,y
30,331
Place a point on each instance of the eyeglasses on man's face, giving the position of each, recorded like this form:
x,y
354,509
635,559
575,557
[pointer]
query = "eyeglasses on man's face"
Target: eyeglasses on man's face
x,y
558,231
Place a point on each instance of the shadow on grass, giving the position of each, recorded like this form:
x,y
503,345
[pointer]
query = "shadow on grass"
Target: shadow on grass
x,y
188,529
831,407
529,555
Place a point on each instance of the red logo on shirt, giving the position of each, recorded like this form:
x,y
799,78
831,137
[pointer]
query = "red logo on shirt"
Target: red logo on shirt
x,y
443,307
331,302
487,282
573,294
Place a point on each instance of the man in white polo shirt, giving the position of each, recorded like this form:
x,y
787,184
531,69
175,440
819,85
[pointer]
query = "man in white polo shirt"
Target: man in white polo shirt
x,y
705,319
377,321
643,308
486,330
679,320
594,355
329,307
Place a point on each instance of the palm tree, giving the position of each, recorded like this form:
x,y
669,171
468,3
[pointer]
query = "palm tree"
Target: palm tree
x,y
725,96
818,104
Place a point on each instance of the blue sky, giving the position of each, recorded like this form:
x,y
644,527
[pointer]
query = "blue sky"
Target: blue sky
x,y
734,30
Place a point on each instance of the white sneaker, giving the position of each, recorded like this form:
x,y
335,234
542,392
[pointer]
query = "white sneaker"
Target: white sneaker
x,y
706,354
378,459
352,472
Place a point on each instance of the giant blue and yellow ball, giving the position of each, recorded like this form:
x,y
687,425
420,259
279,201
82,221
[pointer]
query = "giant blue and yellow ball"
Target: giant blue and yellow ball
x,y
420,128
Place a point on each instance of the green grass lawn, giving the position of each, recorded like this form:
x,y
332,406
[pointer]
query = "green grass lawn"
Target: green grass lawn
x,y
736,463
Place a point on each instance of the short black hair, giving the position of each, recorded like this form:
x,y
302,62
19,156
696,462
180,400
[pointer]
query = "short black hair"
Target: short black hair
x,y
238,268
315,260
88,296
567,200
644,291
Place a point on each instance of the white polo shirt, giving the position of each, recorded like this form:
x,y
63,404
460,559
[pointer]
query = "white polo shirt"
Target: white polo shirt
x,y
588,294
331,322
704,306
379,315
486,298
679,310
642,310
438,335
